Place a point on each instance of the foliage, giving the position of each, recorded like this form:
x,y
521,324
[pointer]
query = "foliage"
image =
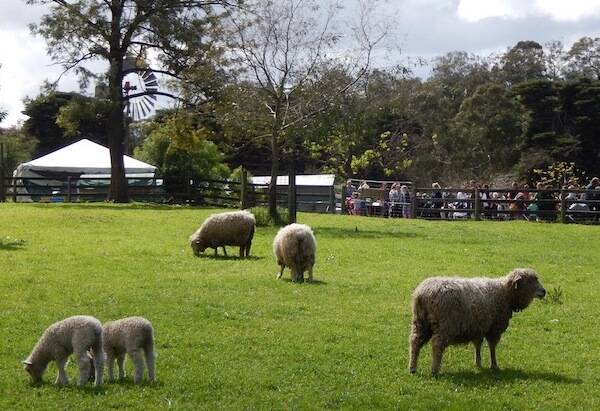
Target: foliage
x,y
229,335
42,113
264,219
84,117
554,296
558,174
181,149
18,148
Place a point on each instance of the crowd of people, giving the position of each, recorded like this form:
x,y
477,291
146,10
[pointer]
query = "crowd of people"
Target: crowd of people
x,y
543,202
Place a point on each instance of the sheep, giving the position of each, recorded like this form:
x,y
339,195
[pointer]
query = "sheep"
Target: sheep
x,y
129,335
218,230
295,247
76,335
458,310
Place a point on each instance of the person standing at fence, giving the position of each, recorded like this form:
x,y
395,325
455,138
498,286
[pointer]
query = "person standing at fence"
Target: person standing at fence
x,y
395,206
436,199
349,191
405,201
592,194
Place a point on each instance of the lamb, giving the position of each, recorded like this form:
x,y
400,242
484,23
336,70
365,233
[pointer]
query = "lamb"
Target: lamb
x,y
295,247
76,335
234,228
129,335
458,310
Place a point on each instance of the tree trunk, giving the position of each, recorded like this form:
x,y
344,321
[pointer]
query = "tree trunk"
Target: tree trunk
x,y
274,175
118,191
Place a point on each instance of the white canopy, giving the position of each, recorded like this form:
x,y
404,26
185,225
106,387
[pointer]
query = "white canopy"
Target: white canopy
x,y
81,157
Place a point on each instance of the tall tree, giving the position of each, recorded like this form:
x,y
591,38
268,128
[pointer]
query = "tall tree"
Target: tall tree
x,y
281,44
176,31
583,59
522,62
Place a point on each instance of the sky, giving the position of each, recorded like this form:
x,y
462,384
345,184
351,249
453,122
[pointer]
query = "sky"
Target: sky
x,y
422,28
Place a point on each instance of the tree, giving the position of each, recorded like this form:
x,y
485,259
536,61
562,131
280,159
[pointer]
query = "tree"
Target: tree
x,y
177,31
583,59
523,62
18,148
486,132
182,149
42,112
281,44
84,117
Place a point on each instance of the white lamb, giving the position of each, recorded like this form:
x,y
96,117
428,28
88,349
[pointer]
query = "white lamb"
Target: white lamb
x,y
129,335
73,335
234,228
295,247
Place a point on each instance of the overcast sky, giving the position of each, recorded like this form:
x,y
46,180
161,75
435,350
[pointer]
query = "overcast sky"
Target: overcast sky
x,y
424,28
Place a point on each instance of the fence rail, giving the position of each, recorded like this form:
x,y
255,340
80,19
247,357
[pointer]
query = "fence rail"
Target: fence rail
x,y
566,206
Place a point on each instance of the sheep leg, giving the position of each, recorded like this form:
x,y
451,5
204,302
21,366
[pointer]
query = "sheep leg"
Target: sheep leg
x,y
477,344
150,358
110,360
493,342
83,362
248,245
280,271
224,251
216,251
310,274
138,362
120,362
438,346
98,362
418,339
62,378
242,252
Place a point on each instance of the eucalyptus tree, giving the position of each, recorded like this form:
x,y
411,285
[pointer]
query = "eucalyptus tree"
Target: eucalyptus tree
x,y
177,35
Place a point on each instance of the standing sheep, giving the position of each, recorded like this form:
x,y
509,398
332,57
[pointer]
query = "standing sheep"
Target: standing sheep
x,y
218,230
458,310
129,335
76,335
295,247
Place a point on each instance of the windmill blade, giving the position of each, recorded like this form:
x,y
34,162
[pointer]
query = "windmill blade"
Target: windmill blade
x,y
149,75
149,101
143,109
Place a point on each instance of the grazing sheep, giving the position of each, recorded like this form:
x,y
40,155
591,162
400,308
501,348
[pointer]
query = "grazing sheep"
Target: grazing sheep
x,y
129,335
458,310
76,335
295,247
218,230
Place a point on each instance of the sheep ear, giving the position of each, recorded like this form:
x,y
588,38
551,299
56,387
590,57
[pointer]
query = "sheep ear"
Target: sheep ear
x,y
27,365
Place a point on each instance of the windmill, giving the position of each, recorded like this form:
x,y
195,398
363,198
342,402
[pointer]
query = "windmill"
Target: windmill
x,y
138,79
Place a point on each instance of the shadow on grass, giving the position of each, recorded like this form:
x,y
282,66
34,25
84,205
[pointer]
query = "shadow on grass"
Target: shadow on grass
x,y
338,232
124,206
313,282
211,256
11,244
506,375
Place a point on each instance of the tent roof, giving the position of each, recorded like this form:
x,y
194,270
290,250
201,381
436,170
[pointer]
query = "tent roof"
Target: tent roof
x,y
320,180
84,156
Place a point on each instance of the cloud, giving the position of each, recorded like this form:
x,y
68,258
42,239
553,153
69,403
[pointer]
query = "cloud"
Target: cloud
x,y
557,10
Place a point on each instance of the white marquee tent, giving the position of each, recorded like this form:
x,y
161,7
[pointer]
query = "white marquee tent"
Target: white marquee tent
x,y
82,158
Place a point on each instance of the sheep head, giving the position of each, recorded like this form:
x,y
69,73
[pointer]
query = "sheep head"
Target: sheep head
x,y
34,370
198,247
523,286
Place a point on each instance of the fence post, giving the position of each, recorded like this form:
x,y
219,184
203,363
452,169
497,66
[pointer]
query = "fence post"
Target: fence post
x,y
244,189
343,201
2,188
188,188
14,189
332,199
476,204
563,207
68,189
413,202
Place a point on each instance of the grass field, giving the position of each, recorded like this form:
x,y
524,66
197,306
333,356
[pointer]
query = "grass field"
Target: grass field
x,y
230,336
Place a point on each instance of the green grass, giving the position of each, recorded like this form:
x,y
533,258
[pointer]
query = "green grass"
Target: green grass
x,y
230,336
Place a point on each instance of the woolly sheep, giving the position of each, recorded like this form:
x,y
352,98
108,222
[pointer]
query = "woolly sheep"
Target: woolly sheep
x,y
129,335
295,247
234,228
458,310
76,335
